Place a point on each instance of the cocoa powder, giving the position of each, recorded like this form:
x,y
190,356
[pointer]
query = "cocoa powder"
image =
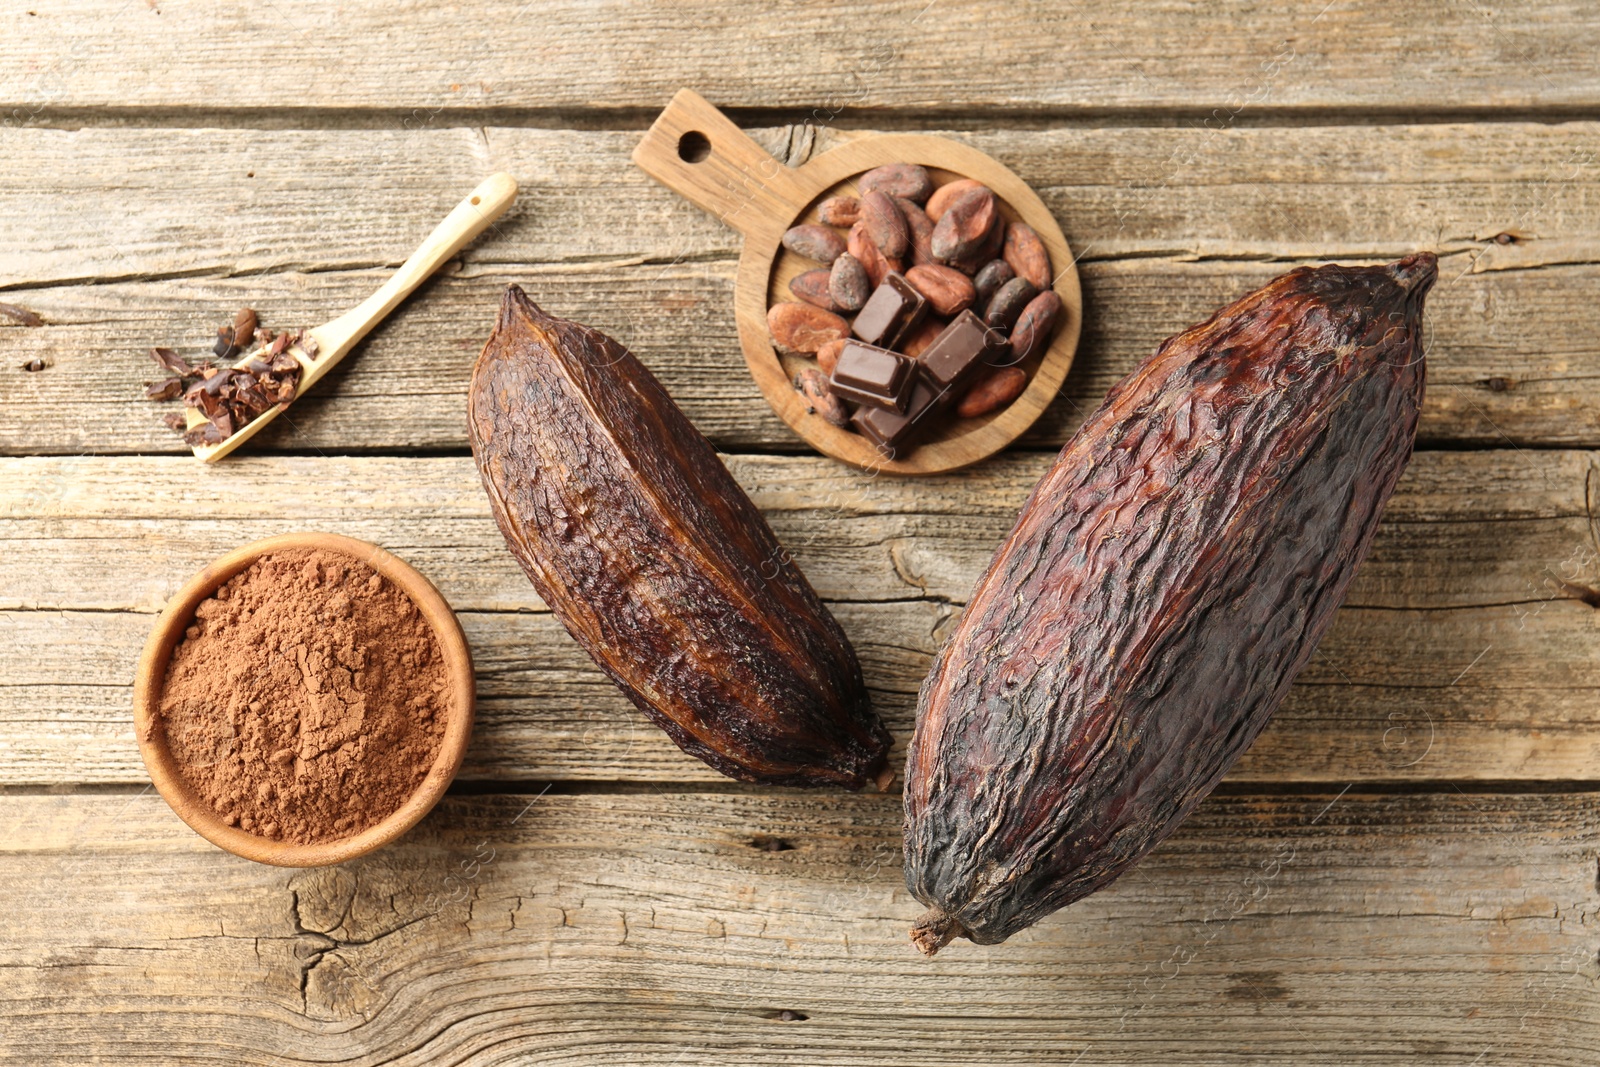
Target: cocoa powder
x,y
308,698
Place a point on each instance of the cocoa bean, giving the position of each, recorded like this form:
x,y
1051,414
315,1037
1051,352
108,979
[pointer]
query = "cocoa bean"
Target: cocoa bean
x,y
917,342
803,327
839,211
812,384
244,327
1031,334
990,278
1025,252
1167,579
992,392
986,251
965,225
949,292
828,356
921,227
849,285
947,193
814,241
885,224
861,246
1007,304
897,179
812,287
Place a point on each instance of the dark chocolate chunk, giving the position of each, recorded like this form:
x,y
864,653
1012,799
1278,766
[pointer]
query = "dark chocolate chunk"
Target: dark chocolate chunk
x,y
964,347
874,376
892,309
891,430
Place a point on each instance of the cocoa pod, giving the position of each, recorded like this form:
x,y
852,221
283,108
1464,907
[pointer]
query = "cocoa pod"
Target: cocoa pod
x,y
1035,325
897,179
828,356
917,342
812,384
848,285
921,227
949,292
989,279
1164,583
965,225
1007,304
803,327
657,563
877,265
814,241
885,224
1025,251
812,286
992,392
946,194
839,211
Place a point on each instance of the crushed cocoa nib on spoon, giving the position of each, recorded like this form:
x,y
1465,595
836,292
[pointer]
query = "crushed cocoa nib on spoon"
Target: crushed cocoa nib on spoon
x,y
230,397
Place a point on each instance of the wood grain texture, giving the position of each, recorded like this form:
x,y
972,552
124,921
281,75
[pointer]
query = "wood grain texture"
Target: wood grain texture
x,y
674,927
1460,654
1028,57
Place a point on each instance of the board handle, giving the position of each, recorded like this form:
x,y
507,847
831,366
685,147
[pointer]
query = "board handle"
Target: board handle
x,y
697,152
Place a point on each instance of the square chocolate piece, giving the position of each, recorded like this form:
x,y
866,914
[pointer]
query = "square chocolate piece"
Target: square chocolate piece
x,y
893,308
961,350
892,430
874,376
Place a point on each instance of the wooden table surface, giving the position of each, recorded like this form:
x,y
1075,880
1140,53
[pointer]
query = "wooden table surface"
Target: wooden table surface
x,y
1403,869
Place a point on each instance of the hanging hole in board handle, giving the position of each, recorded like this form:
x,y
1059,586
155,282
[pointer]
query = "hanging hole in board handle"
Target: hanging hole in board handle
x,y
477,200
694,147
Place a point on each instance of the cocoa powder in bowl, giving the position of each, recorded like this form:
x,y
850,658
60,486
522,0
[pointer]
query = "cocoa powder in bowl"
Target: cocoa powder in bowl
x,y
308,698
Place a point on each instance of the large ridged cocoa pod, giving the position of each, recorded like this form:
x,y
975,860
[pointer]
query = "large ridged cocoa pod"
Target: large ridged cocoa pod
x,y
658,564
1163,585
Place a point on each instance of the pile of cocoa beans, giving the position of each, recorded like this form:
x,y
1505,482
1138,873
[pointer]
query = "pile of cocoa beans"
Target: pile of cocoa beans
x,y
953,244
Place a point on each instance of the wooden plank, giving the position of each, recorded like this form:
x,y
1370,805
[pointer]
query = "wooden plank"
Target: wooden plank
x,y
1459,655
659,928
565,56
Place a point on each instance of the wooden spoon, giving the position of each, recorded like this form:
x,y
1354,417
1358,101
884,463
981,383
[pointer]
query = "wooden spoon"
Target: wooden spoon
x,y
334,339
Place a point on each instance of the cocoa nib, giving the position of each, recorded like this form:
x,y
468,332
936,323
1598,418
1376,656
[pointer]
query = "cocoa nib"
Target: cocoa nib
x,y
171,361
230,397
165,389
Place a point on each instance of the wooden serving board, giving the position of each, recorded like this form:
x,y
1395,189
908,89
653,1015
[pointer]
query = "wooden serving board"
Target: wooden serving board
x,y
696,151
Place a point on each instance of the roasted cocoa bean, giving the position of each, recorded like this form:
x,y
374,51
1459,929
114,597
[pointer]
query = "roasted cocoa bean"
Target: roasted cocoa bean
x,y
1163,585
1007,304
947,193
986,251
917,342
828,356
803,327
949,292
812,286
897,179
885,224
812,384
992,392
965,225
921,228
654,559
989,279
1033,328
814,241
1025,252
840,211
878,265
849,284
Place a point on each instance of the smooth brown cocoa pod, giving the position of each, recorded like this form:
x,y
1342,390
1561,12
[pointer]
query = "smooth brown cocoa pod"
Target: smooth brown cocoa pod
x,y
813,286
878,265
1163,585
657,563
921,227
917,342
812,384
946,194
965,226
828,356
989,279
1007,304
885,224
814,241
1025,251
1031,332
897,179
949,292
840,211
992,392
848,285
804,327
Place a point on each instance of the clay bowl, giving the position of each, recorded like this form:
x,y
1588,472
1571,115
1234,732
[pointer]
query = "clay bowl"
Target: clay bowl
x,y
194,810
697,152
